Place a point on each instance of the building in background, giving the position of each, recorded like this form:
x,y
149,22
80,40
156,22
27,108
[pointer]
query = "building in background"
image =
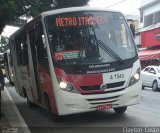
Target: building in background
x,y
149,32
150,23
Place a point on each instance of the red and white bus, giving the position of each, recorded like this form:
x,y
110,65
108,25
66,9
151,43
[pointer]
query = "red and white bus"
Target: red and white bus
x,y
75,60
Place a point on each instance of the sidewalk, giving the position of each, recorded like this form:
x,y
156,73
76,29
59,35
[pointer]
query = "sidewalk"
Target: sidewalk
x,y
4,121
11,120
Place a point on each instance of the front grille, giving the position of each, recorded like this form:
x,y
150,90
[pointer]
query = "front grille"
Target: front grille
x,y
97,103
97,87
90,88
103,100
110,91
117,84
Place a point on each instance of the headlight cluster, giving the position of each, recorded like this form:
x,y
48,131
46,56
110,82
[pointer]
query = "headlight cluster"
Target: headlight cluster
x,y
66,86
135,78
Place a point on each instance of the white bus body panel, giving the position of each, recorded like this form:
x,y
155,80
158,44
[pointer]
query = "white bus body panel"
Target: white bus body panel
x,y
70,103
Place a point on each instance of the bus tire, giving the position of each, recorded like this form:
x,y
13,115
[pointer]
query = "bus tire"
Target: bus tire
x,y
11,83
30,104
120,110
55,117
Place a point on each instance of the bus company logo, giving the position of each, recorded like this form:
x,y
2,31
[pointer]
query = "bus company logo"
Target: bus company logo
x,y
103,87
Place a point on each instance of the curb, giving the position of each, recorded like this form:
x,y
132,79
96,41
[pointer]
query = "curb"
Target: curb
x,y
13,115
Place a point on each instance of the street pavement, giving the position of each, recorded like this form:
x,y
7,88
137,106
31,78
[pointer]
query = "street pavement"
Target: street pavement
x,y
145,114
11,119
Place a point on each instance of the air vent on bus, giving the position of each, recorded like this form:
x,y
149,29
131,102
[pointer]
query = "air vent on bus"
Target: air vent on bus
x,y
97,87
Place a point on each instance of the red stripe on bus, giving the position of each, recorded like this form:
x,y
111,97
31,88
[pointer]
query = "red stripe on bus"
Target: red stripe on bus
x,y
81,80
86,80
46,85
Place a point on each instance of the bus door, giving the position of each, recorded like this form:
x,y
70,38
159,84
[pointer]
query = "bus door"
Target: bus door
x,y
16,61
38,53
20,61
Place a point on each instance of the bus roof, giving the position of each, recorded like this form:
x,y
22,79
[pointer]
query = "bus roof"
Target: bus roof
x,y
62,10
71,9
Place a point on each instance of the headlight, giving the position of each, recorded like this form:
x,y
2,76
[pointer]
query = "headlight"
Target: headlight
x,y
135,78
63,85
66,86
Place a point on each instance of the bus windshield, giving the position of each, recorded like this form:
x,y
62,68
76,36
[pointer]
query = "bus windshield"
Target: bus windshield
x,y
89,37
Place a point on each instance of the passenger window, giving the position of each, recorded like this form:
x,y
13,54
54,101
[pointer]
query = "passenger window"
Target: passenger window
x,y
41,45
24,50
21,49
18,50
37,40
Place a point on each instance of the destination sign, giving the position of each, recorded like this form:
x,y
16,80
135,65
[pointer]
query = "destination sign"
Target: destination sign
x,y
65,55
78,21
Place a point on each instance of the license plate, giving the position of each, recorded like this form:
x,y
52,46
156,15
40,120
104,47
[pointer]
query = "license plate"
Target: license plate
x,y
102,107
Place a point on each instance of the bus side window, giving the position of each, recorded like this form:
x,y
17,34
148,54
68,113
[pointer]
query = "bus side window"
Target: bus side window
x,y
24,50
21,49
41,45
18,50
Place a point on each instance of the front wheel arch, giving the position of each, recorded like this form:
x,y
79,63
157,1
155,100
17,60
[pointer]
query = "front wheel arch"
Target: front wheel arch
x,y
55,117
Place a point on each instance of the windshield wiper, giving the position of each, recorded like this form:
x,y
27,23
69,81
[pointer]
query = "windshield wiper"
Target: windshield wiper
x,y
107,49
83,45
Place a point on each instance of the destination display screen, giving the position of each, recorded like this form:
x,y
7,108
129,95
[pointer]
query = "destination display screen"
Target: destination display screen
x,y
83,20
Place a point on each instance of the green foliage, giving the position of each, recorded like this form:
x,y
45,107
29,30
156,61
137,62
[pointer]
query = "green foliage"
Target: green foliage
x,y
71,3
38,6
10,10
3,44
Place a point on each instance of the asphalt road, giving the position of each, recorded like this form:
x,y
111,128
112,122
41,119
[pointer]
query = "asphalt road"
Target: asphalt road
x,y
145,114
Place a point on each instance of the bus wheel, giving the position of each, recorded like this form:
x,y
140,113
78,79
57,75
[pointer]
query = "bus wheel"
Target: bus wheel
x,y
120,110
12,83
30,104
54,116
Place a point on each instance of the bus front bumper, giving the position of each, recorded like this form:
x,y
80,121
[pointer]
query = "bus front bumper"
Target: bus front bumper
x,y
71,103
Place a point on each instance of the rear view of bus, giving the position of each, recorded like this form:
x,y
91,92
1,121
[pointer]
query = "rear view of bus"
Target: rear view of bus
x,y
95,60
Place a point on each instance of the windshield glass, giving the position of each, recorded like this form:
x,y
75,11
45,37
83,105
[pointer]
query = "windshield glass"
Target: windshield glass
x,y
89,37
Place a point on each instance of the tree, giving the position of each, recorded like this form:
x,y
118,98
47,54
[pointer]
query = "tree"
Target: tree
x,y
71,3
3,44
10,10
